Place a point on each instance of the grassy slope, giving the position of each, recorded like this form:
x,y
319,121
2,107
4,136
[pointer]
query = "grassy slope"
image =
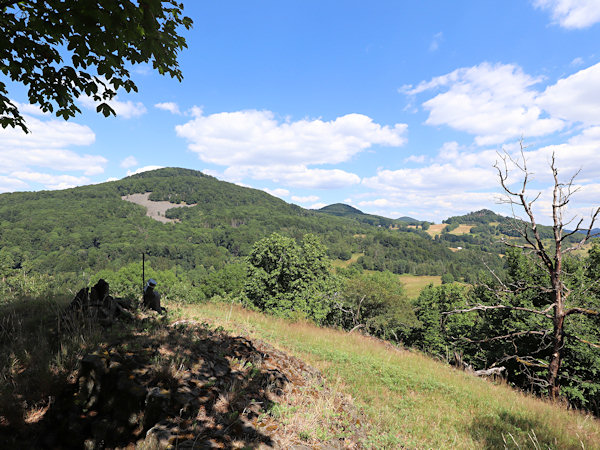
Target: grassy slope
x,y
353,259
412,400
414,284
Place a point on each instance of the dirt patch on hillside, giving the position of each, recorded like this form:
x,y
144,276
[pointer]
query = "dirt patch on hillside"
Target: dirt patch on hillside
x,y
155,210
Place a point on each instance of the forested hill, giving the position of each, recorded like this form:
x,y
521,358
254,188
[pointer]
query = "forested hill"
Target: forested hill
x,y
349,212
85,229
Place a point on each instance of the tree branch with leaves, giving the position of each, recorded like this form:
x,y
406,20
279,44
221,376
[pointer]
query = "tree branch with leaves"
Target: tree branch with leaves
x,y
100,38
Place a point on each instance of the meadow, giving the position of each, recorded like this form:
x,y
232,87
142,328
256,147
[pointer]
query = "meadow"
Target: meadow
x,y
410,399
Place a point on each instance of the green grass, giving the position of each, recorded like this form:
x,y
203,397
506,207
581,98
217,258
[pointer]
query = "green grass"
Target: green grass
x,y
341,263
412,400
414,284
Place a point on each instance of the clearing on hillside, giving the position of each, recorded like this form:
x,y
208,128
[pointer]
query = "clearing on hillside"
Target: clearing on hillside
x,y
462,229
436,229
414,284
154,210
341,263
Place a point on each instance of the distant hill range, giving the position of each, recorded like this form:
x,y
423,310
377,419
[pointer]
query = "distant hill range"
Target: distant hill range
x,y
350,212
81,230
343,210
482,216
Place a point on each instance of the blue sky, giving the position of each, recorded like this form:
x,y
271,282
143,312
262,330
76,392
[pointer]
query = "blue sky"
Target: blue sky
x,y
395,107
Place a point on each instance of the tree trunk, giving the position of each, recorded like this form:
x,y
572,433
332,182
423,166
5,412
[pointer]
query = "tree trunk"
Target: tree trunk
x,y
557,340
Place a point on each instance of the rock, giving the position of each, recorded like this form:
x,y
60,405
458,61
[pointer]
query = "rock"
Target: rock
x,y
161,434
157,403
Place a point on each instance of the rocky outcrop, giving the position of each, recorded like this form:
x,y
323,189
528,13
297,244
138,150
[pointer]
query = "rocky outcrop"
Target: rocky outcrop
x,y
145,383
182,385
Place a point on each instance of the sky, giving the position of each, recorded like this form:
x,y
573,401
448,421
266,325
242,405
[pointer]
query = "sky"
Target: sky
x,y
398,108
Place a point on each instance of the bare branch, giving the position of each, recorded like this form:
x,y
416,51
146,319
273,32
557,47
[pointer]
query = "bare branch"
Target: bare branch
x,y
592,344
513,308
360,325
532,362
588,233
508,336
489,372
586,311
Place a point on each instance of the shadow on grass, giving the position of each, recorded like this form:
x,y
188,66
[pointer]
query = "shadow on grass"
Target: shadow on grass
x,y
184,385
512,431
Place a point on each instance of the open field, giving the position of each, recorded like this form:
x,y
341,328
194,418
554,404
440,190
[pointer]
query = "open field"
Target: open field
x,y
411,400
414,284
462,229
340,263
436,229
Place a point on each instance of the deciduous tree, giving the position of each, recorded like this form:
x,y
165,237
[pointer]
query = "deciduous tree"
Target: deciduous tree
x,y
100,38
287,278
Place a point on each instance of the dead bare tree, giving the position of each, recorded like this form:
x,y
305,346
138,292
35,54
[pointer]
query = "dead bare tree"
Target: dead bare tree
x,y
548,257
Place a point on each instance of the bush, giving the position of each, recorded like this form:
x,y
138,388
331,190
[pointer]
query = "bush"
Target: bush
x,y
377,301
288,279
127,283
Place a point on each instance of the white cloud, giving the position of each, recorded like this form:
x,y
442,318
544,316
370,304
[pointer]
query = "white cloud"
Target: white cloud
x,y
459,180
46,146
10,184
46,134
279,192
254,144
572,13
295,176
575,98
493,102
26,108
436,178
435,41
125,110
143,169
252,137
577,61
572,156
307,199
317,205
427,205
130,161
172,107
449,151
379,202
51,181
415,159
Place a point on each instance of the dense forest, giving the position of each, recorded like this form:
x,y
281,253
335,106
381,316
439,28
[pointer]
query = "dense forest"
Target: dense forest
x,y
91,228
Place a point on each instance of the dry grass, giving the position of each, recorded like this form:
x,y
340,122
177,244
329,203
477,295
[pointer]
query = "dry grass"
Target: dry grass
x,y
436,229
412,400
37,353
462,229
